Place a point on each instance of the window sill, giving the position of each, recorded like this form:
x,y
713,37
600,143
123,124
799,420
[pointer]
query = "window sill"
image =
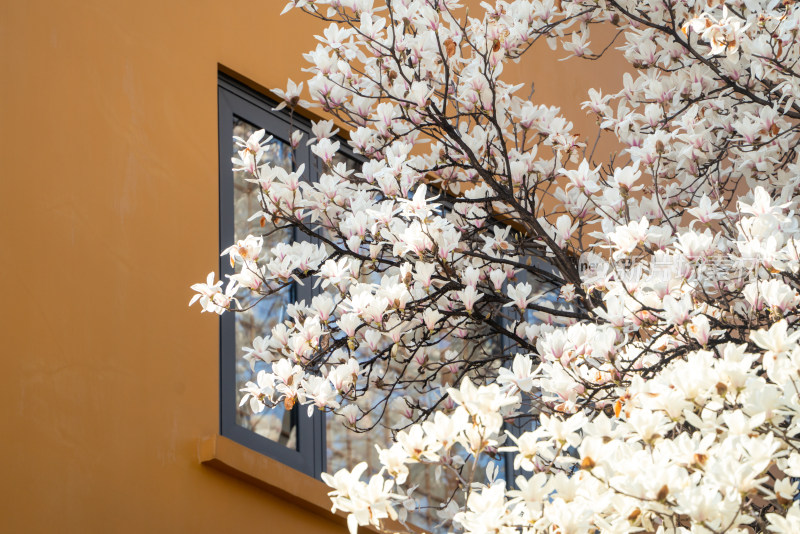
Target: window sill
x,y
224,454
246,464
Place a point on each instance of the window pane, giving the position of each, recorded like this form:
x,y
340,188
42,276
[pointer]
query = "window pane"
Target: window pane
x,y
345,448
277,424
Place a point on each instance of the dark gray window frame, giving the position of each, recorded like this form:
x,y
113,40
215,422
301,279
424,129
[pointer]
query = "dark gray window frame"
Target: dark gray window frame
x,y
237,100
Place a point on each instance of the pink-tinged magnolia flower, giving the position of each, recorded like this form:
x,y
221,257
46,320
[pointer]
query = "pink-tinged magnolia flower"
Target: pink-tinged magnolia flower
x,y
624,178
777,339
469,296
700,329
321,392
254,144
423,273
706,212
583,178
626,238
567,292
297,136
247,249
324,149
564,230
291,97
677,312
497,277
211,297
431,317
519,295
723,36
260,352
348,322
695,246
322,130
259,393
520,376
245,162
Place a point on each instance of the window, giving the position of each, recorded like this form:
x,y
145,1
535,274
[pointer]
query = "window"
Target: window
x,y
286,435
289,436
309,444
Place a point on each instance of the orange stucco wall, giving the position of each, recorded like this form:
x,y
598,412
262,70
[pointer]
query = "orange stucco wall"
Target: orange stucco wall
x,y
108,166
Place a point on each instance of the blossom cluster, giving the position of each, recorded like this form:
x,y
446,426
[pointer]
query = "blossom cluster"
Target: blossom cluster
x,y
649,392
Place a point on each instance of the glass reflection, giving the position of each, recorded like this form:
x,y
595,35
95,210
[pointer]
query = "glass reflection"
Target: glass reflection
x,y
277,424
346,448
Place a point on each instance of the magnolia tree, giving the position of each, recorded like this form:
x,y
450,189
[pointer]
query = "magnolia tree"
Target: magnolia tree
x,y
486,282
